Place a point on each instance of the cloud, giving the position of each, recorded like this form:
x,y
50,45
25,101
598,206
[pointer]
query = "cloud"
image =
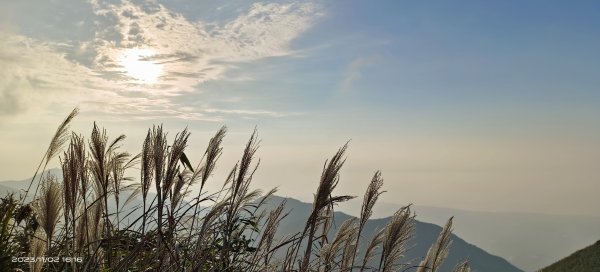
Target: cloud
x,y
192,52
32,73
266,30
245,112
89,71
354,71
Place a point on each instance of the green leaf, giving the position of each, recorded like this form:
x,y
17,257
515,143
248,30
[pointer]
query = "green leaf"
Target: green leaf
x,y
186,162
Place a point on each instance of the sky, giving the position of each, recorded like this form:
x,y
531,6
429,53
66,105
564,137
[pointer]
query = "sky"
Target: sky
x,y
476,105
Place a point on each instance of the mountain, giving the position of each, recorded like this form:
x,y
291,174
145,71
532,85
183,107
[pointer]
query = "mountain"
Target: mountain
x,y
425,235
584,260
5,190
133,208
20,186
527,240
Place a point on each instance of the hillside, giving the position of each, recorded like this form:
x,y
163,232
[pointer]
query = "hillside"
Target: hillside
x,y
527,240
5,190
19,186
425,235
584,260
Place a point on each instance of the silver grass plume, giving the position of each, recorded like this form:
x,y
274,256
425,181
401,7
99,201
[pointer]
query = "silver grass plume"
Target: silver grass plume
x,y
74,169
371,196
329,251
323,198
159,154
37,250
398,231
61,136
270,228
213,153
241,178
349,249
463,267
437,252
99,160
49,206
147,165
174,156
376,240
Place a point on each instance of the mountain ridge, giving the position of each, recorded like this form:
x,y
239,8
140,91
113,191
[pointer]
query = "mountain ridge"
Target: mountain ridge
x,y
426,233
527,240
583,260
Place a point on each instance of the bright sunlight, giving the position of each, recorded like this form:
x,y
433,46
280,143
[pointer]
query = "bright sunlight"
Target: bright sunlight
x,y
137,64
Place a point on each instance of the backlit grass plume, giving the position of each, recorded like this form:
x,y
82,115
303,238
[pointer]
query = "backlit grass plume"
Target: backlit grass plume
x,y
170,221
49,206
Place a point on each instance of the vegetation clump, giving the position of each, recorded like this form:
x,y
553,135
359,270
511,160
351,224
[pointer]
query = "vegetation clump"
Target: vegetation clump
x,y
583,260
79,224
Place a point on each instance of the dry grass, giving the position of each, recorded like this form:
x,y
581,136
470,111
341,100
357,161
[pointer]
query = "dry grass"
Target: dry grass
x,y
49,207
463,267
397,232
172,230
438,251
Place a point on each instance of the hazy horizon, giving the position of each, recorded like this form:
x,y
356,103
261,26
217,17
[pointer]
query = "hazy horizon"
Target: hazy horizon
x,y
466,105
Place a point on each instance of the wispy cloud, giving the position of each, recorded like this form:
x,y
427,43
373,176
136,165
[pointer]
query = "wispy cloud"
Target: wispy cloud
x,y
354,71
32,72
92,72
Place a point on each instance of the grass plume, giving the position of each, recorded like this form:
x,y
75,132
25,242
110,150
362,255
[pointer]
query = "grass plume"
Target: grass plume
x,y
228,229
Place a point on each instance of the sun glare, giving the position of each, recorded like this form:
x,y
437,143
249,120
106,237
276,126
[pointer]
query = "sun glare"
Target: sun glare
x,y
138,65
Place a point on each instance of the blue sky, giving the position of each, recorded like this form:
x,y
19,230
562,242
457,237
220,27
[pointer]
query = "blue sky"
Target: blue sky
x,y
464,104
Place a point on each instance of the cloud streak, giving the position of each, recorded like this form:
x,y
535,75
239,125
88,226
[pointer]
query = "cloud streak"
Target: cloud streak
x,y
354,71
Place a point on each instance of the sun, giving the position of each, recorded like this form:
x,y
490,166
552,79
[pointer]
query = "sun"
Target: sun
x,y
137,63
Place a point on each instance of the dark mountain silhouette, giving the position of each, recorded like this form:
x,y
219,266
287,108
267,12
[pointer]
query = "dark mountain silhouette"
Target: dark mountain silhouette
x,y
584,260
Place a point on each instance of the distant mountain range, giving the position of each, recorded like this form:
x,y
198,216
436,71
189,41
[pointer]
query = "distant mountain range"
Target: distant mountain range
x,y
528,240
584,260
18,187
425,235
4,190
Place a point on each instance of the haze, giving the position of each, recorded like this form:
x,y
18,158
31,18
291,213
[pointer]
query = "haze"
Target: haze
x,y
464,104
